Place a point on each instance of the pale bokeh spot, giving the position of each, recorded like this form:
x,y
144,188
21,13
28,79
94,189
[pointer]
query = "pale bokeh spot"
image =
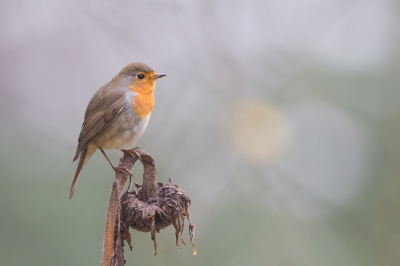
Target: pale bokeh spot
x,y
260,131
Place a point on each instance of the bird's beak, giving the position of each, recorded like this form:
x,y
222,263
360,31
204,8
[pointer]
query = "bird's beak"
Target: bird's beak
x,y
157,76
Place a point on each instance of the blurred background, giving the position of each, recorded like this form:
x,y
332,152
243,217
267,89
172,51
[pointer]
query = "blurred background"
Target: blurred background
x,y
280,119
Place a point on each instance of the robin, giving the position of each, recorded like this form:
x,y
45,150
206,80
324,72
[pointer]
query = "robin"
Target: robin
x,y
117,115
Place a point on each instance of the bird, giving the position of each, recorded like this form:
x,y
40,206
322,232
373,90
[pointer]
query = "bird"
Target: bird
x,y
116,116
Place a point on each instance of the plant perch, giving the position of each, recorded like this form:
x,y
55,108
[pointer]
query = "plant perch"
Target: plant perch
x,y
148,208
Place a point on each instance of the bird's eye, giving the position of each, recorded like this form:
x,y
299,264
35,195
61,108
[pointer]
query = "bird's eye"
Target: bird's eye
x,y
140,76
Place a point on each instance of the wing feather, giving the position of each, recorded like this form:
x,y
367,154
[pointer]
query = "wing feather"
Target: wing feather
x,y
95,123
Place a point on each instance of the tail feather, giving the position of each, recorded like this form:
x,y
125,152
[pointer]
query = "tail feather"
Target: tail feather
x,y
84,157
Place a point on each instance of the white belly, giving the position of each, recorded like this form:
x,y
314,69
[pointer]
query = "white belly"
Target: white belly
x,y
124,136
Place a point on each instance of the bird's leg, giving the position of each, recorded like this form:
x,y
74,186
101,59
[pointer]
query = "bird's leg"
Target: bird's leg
x,y
117,169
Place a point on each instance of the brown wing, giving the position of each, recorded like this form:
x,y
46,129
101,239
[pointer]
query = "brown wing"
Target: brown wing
x,y
97,120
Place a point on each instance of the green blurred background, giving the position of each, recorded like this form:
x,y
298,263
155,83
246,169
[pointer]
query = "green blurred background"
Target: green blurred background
x,y
280,119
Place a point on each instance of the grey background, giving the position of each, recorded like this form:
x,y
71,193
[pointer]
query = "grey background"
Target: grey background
x,y
280,119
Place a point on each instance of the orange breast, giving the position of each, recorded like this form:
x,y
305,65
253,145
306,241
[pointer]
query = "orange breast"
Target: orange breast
x,y
143,102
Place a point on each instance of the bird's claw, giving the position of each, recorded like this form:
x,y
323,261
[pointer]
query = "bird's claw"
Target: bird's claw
x,y
133,152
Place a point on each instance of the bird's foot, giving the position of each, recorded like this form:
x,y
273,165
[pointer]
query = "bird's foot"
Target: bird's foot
x,y
133,152
125,171
122,170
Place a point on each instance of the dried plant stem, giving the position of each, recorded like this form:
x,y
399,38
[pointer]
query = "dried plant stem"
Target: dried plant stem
x,y
112,242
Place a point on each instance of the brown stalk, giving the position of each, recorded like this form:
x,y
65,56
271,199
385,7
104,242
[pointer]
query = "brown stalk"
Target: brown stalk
x,y
112,248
